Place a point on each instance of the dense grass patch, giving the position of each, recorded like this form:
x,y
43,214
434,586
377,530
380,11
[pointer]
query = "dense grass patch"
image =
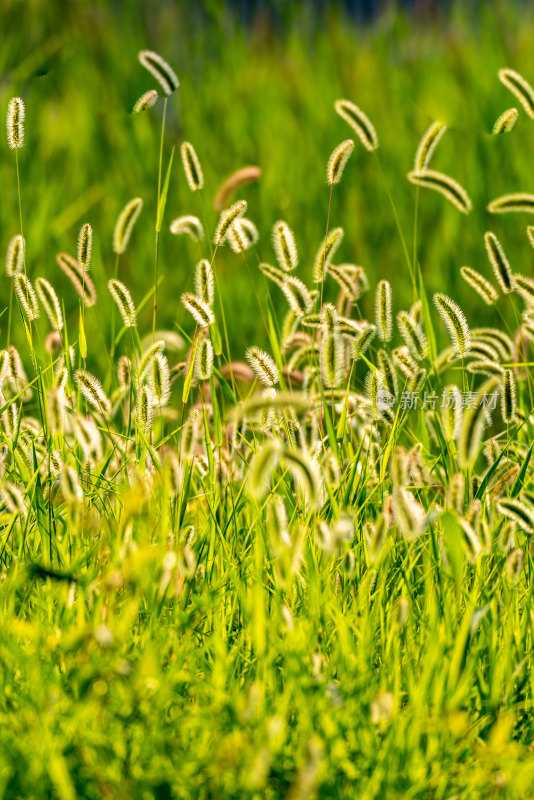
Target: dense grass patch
x,y
266,488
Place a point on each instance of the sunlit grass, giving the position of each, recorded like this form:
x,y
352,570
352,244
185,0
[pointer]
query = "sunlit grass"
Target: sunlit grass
x,y
266,497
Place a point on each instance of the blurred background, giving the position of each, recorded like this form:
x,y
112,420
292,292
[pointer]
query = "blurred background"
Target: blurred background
x,y
258,84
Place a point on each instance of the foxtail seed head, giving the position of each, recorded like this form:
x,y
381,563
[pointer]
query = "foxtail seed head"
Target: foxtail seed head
x,y
263,365
387,370
277,524
26,296
499,262
520,87
285,246
329,318
517,511
481,286
173,473
351,280
78,277
124,371
191,433
404,361
199,309
13,499
275,274
50,302
10,418
525,287
21,453
456,492
92,390
267,417
362,341
233,182
409,514
485,349
192,168
204,360
61,377
416,465
146,101
227,219
470,540
413,335
297,295
159,379
262,466
428,144
85,245
88,437
189,225
514,565
160,69
125,223
439,182
204,282
16,369
359,122
145,402
124,302
508,397
56,410
497,338
325,254
376,538
242,235
331,359
373,384
484,366
5,371
475,419
384,317
399,467
148,357
506,122
15,123
338,161
506,541
518,201
15,256
454,318
71,486
304,472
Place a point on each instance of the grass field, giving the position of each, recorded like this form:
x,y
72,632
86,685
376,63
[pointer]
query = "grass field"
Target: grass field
x,y
266,501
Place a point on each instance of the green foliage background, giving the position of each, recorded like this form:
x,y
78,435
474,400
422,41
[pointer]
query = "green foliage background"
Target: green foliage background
x,y
263,94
